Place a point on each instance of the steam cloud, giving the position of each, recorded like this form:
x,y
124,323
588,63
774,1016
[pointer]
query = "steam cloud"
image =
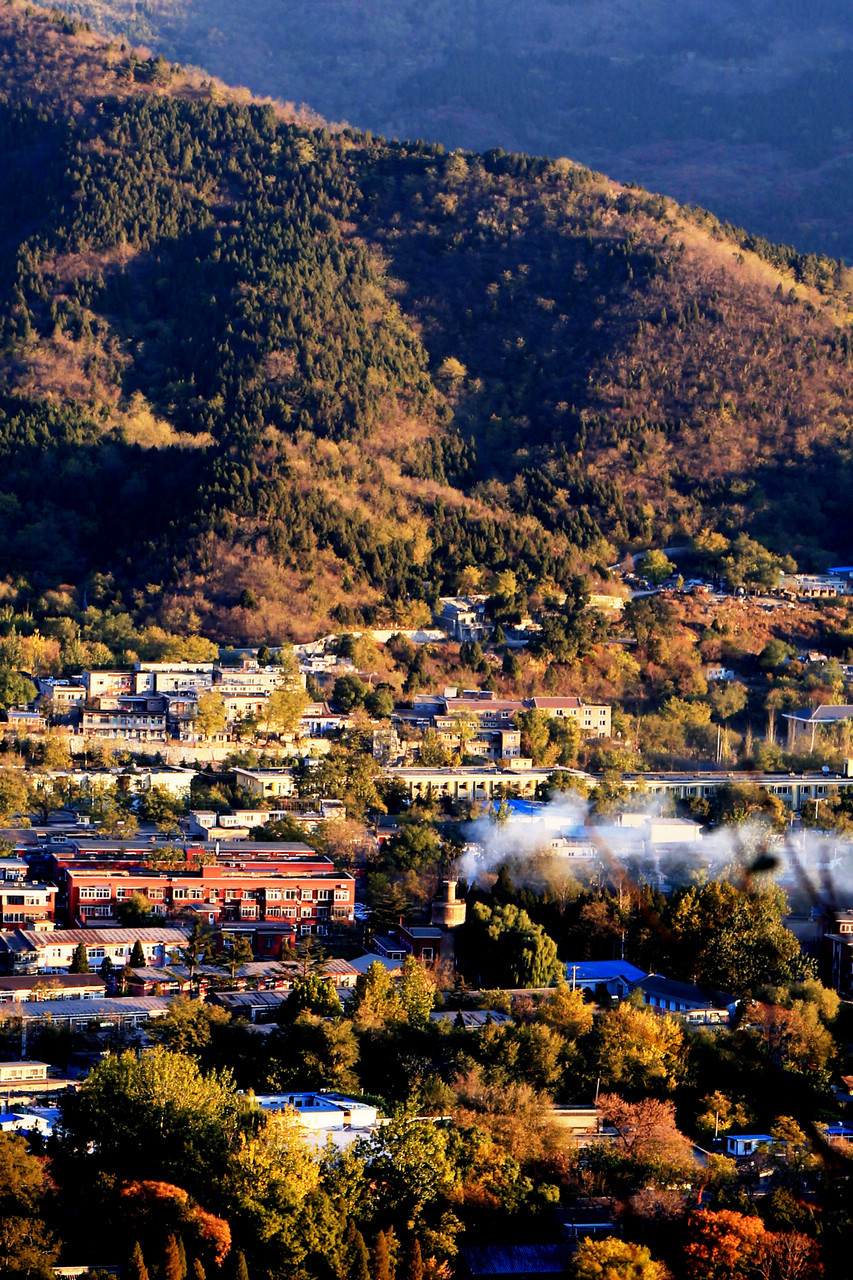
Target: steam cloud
x,y
823,860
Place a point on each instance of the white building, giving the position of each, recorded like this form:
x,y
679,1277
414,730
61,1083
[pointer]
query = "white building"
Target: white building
x,y
325,1115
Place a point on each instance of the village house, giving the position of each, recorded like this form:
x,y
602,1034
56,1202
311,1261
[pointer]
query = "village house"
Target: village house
x,y
97,1015
463,617
450,714
267,784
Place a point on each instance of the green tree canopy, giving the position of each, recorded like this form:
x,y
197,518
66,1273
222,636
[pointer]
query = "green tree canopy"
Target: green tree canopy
x,y
155,1117
506,949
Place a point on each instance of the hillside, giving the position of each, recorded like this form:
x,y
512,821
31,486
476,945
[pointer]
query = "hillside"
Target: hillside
x,y
744,109
257,376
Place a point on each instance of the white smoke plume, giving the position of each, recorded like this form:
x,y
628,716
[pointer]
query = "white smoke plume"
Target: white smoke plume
x,y
807,862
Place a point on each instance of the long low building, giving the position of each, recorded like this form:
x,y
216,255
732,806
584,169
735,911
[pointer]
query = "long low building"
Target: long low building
x,y
483,784
27,951
101,1014
54,986
793,790
469,784
311,899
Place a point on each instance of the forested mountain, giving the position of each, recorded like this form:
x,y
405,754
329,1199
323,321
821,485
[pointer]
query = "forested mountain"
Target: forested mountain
x,y
743,108
258,375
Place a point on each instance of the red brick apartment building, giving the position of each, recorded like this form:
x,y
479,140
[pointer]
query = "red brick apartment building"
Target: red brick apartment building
x,y
304,896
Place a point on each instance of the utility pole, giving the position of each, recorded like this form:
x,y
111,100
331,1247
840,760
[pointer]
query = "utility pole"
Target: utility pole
x,y
574,975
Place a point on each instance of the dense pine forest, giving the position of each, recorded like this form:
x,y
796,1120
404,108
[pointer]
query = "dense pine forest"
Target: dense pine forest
x,y
257,375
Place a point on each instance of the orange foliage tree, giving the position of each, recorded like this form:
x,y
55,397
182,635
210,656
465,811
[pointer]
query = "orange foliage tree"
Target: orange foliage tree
x,y
722,1245
155,1208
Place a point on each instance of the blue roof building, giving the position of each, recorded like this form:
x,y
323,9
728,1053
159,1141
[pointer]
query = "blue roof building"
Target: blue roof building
x,y
616,977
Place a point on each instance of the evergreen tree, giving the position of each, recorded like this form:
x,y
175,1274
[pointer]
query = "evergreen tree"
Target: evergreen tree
x,y
234,955
415,1262
241,1271
136,1269
197,1270
80,960
172,1268
137,956
182,1254
382,1266
358,1266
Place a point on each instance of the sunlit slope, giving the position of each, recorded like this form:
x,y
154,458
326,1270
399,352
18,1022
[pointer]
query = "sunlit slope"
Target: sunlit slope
x,y
319,373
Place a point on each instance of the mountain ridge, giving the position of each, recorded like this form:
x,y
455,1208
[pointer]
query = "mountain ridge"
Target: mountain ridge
x,y
318,374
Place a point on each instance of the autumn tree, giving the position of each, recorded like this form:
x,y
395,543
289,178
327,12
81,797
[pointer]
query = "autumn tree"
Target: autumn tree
x,y
188,1026
27,1248
376,1001
638,1051
722,1245
313,1052
273,1191
136,911
655,566
311,994
211,716
417,993
285,707
612,1259
566,1011
647,1136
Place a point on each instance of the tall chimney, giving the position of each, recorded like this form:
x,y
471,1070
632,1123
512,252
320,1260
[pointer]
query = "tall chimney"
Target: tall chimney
x,y
449,912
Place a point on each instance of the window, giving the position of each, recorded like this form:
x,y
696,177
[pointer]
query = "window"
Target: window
x,y
273,895
179,893
307,911
306,895
323,895
121,893
291,894
341,895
